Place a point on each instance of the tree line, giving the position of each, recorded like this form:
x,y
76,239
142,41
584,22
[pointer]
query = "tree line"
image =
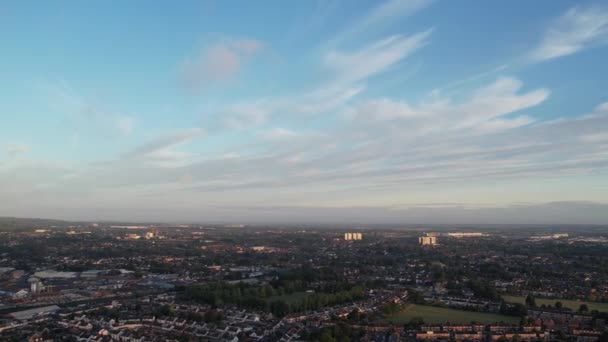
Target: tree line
x,y
266,297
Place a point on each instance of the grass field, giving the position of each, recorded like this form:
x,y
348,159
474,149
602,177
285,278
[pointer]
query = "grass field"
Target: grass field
x,y
571,304
435,315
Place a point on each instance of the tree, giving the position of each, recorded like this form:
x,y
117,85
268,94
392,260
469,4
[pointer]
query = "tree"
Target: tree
x,y
583,308
558,305
279,307
391,308
113,272
326,337
416,322
518,310
530,301
354,315
212,316
165,310
484,289
415,297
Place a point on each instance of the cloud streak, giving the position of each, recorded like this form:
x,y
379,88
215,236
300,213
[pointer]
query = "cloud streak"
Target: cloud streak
x,y
577,29
488,108
374,58
85,112
162,149
378,17
349,72
15,150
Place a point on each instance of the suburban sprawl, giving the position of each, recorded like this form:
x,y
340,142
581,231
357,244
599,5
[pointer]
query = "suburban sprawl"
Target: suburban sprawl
x,y
125,282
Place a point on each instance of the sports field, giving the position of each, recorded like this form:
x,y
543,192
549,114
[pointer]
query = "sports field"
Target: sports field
x,y
435,315
571,304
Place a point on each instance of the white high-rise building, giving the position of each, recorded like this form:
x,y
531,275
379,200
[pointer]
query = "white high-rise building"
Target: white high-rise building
x,y
427,240
35,285
353,236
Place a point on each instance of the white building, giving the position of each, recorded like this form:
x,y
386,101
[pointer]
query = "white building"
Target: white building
x,y
353,236
427,240
35,285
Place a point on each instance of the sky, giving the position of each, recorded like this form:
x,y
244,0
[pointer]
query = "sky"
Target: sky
x,y
397,111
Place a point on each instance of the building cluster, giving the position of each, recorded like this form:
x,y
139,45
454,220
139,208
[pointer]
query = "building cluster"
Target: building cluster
x,y
353,236
429,240
550,237
148,236
477,332
466,234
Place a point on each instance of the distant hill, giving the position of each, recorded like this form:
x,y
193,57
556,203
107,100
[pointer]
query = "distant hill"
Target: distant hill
x,y
16,223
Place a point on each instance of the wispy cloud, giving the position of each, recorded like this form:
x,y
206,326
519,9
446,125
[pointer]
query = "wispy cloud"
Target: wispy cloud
x,y
220,62
380,16
579,28
487,109
297,106
161,149
243,115
279,133
348,73
86,112
360,165
15,150
374,58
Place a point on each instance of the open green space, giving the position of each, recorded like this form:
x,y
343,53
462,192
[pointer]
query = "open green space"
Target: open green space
x,y
436,315
567,303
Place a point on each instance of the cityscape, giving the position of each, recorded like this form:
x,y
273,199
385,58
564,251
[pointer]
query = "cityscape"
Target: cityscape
x,y
85,281
295,171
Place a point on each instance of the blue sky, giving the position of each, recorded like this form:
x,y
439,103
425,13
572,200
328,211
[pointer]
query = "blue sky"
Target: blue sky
x,y
310,111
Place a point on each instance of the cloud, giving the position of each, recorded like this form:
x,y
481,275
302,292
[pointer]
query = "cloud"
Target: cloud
x,y
280,133
161,149
324,140
495,125
579,28
574,213
359,166
314,103
382,109
595,138
498,99
349,72
125,124
602,107
374,58
485,110
244,115
86,112
324,100
567,212
220,62
380,16
15,150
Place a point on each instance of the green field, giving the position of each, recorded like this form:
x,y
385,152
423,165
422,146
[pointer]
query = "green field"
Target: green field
x,y
571,304
436,315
